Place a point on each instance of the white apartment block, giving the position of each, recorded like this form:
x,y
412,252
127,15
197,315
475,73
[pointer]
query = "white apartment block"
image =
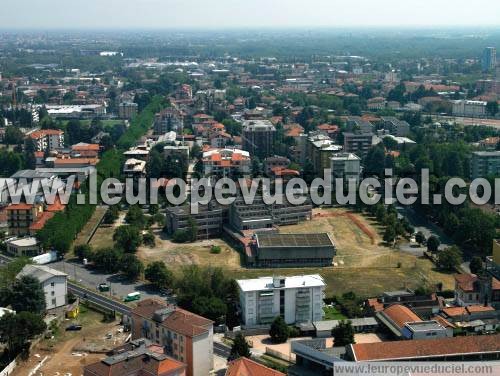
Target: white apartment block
x,y
346,166
297,299
469,108
54,284
48,139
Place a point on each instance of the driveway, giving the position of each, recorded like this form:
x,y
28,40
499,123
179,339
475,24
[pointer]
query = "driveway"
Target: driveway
x,y
423,225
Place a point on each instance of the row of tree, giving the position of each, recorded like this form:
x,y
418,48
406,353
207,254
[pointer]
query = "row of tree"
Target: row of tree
x,y
60,231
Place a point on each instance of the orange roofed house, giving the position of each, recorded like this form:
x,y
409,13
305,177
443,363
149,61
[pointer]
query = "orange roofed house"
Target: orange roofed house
x,y
138,358
405,324
184,336
26,219
226,162
471,290
248,367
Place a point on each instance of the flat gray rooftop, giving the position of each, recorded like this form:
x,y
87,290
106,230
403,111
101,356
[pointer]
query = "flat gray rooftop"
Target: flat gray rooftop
x,y
294,240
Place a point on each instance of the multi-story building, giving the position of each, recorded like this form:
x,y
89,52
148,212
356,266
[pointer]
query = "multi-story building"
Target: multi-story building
x,y
22,217
209,219
226,162
76,111
176,150
467,290
259,215
484,164
276,161
378,103
274,250
184,336
489,60
137,358
134,168
358,143
47,139
170,119
258,137
319,151
54,284
127,110
396,127
464,107
345,166
359,125
298,299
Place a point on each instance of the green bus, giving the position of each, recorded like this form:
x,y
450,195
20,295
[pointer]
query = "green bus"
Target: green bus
x,y
132,296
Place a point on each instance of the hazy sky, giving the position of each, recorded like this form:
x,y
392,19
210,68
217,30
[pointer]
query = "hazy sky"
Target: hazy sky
x,y
244,13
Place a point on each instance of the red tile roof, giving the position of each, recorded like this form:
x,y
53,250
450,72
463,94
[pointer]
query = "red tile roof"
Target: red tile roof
x,y
248,367
441,320
42,220
375,304
495,283
56,206
72,161
426,348
85,147
400,314
479,308
45,132
466,282
137,364
455,311
280,171
180,320
20,206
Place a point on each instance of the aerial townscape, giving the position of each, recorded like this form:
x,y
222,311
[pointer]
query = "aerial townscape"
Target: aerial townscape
x,y
194,190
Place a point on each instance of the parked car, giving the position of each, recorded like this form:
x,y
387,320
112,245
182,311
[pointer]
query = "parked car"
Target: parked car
x,y
73,328
103,287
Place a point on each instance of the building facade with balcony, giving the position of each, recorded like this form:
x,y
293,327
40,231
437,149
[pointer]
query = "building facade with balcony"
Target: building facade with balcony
x,y
184,336
298,299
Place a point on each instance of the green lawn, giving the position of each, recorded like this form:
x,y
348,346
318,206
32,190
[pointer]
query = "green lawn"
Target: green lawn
x,y
332,313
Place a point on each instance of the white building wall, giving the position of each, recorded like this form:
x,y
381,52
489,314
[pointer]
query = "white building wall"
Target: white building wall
x,y
317,304
203,357
56,292
290,305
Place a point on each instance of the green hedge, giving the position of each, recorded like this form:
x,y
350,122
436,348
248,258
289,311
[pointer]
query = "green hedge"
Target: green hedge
x,y
61,230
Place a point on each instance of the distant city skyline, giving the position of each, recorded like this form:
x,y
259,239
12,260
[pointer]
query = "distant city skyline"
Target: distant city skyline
x,y
164,14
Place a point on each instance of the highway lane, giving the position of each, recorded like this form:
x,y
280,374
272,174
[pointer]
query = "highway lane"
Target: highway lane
x,y
99,299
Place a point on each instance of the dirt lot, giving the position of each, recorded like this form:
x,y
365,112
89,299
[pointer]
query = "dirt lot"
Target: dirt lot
x,y
89,226
354,247
193,253
363,264
69,352
103,237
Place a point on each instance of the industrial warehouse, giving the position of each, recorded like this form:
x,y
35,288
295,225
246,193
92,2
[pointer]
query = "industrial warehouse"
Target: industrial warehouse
x,y
271,250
